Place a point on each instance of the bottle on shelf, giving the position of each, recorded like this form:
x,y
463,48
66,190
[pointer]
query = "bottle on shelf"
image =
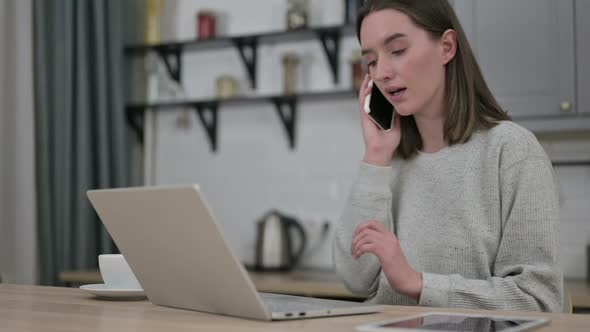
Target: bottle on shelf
x,y
153,12
290,65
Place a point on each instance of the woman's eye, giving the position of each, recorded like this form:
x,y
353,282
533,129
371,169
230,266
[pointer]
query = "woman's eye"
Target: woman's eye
x,y
371,63
399,52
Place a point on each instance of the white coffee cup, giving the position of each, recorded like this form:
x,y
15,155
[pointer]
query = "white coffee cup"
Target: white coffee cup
x,y
116,273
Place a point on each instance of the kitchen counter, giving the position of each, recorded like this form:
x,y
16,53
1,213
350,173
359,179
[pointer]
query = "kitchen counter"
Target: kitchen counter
x,y
316,283
312,283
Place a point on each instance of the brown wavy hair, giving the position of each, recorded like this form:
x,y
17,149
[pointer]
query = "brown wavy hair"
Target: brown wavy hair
x,y
470,105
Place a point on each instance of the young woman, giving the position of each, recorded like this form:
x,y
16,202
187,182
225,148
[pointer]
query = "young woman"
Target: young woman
x,y
456,205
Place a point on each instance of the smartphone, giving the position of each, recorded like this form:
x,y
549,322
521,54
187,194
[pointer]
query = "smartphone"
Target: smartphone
x,y
379,109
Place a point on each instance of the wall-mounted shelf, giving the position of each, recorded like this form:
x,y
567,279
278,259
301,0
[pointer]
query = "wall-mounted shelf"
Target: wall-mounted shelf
x,y
571,163
247,46
285,106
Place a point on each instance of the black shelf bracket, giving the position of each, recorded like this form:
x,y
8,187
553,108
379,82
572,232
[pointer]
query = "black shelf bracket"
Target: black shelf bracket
x,y
248,49
287,116
135,118
330,39
172,57
210,125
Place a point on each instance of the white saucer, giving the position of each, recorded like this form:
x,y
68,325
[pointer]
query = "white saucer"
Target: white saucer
x,y
102,291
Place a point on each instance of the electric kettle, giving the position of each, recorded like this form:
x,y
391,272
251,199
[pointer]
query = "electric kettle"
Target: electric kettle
x,y
275,242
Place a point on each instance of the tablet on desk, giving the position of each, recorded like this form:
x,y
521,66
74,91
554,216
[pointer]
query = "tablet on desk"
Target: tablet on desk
x,y
444,321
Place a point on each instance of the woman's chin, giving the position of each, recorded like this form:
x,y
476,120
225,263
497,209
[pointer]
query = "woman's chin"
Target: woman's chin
x,y
402,111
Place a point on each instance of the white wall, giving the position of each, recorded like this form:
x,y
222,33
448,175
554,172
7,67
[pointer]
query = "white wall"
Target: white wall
x,y
18,256
254,170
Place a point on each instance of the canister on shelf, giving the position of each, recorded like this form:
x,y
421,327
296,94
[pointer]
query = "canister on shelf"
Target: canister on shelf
x,y
226,87
290,66
297,14
206,24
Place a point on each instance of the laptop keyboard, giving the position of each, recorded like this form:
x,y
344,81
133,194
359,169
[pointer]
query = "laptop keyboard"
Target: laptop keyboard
x,y
289,303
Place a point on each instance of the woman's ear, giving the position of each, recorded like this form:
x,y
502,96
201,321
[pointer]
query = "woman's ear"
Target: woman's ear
x,y
449,45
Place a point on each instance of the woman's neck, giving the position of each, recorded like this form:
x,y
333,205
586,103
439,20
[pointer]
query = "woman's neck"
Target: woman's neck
x,y
430,123
432,132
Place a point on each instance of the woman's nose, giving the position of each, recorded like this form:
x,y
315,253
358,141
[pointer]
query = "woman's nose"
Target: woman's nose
x,y
383,71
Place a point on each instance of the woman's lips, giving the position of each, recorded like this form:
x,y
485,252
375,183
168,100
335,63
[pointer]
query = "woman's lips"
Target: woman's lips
x,y
397,96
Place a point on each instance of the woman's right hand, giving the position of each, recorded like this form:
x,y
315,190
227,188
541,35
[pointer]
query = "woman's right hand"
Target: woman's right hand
x,y
379,145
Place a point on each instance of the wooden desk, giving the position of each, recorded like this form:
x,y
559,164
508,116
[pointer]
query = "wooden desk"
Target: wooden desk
x,y
320,284
35,308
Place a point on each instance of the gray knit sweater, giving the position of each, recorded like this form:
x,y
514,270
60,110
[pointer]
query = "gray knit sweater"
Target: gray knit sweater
x,y
479,220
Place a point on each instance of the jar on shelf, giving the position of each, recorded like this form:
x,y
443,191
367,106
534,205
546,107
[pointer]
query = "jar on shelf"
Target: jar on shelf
x,y
356,69
290,65
226,87
297,14
206,24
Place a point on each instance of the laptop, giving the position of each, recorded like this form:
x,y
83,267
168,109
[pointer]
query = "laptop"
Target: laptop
x,y
178,253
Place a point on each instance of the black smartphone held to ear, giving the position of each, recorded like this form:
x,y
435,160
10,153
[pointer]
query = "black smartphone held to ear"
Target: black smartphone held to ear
x,y
379,109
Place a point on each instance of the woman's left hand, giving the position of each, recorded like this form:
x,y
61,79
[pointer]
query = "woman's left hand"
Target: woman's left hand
x,y
373,237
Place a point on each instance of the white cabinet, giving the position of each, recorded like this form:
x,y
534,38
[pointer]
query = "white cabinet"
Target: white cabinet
x,y
583,54
526,50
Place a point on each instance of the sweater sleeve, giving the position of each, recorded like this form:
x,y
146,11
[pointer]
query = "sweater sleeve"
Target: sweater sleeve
x,y
525,273
369,199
